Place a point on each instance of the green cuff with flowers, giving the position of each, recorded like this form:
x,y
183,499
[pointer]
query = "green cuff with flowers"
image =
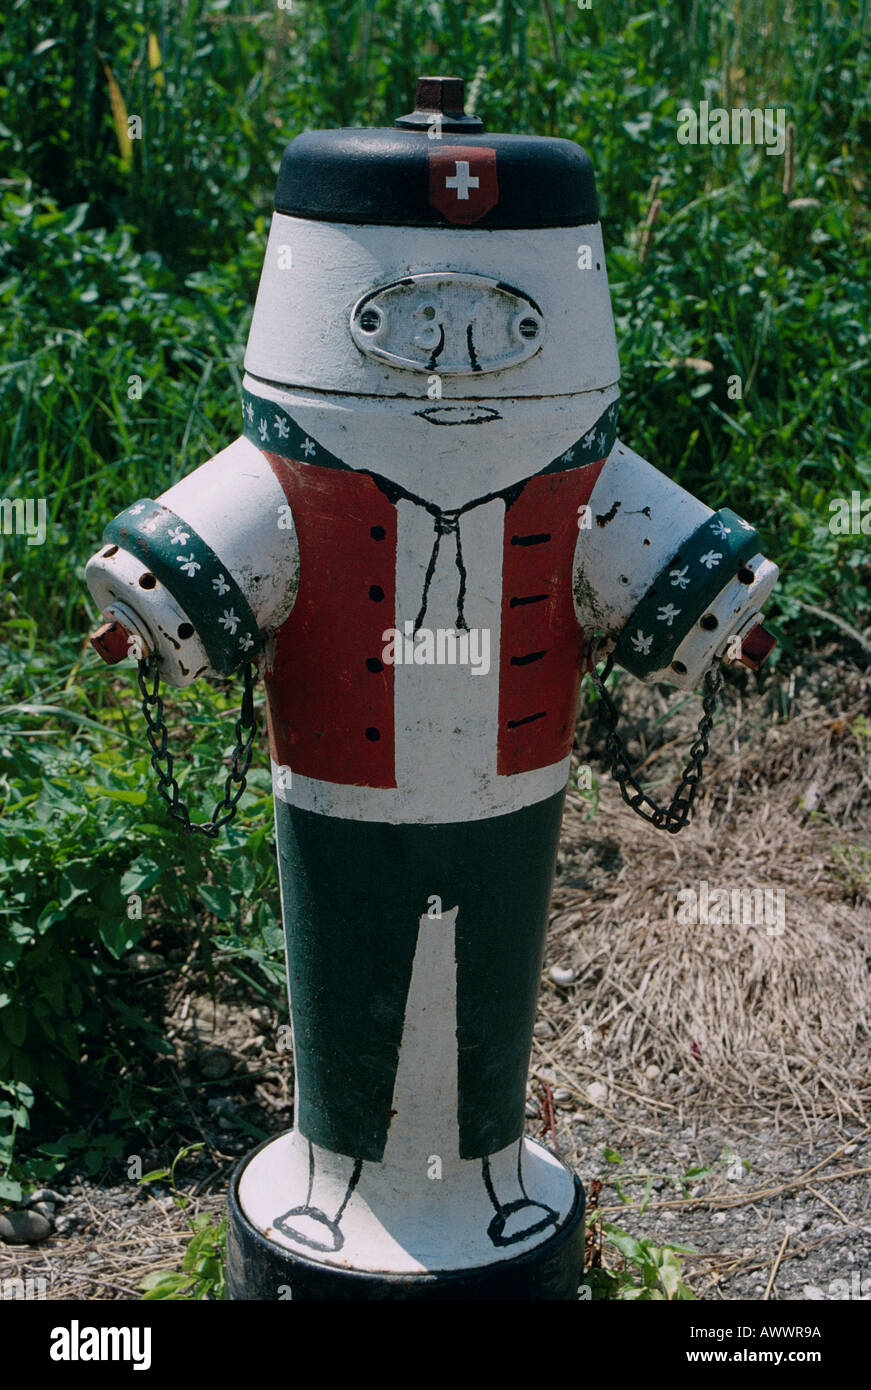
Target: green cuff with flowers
x,y
681,592
196,578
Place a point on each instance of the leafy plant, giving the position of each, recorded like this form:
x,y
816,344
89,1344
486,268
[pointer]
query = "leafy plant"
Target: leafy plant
x,y
202,1268
88,868
646,1272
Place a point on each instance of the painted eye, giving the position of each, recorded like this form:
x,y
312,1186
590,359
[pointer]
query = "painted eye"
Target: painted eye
x,y
528,328
370,320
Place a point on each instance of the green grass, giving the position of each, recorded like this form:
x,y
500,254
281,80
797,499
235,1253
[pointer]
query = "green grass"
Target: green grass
x,y
116,266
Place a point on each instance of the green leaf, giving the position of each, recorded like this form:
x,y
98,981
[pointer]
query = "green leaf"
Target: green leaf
x,y
217,900
14,1020
117,937
164,1283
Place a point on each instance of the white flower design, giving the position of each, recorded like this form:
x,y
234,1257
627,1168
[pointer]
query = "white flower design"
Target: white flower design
x,y
220,585
308,447
249,411
712,558
720,530
229,621
603,439
680,578
282,427
189,564
746,524
140,507
641,643
667,614
263,429
246,641
178,535
588,439
567,456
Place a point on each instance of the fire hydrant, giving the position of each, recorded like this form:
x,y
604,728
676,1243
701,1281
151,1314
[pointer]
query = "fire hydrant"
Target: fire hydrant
x,y
425,535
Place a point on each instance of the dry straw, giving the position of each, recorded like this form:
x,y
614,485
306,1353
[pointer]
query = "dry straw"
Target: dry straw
x,y
742,1012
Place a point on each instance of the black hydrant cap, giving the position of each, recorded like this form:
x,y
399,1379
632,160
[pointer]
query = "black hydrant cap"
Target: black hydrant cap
x,y
436,167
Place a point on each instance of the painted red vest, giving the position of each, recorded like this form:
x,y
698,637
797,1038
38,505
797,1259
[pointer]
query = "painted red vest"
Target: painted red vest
x,y
331,695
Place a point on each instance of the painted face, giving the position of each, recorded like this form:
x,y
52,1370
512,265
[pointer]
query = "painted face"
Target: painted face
x,y
454,362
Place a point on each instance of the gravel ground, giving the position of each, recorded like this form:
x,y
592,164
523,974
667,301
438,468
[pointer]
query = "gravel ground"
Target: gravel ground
x,y
777,1215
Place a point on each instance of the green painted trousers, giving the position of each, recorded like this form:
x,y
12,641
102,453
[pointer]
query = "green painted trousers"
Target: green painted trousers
x,y
353,895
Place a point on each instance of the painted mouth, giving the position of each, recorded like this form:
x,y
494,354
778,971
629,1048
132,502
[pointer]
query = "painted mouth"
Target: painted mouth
x,y
458,414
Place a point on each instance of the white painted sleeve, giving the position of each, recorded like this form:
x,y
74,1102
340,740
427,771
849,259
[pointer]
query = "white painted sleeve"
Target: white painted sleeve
x,y
229,516
638,522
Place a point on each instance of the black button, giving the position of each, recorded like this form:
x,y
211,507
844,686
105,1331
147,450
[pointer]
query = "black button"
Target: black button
x,y
376,593
377,533
373,664
373,735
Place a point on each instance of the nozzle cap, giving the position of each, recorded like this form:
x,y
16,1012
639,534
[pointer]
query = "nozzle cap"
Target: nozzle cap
x,y
756,647
112,642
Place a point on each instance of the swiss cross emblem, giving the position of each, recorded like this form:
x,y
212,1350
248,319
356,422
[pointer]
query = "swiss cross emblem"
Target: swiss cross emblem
x,y
462,182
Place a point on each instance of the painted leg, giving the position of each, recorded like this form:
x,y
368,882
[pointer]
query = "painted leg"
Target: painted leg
x,y
310,1224
416,1073
517,1215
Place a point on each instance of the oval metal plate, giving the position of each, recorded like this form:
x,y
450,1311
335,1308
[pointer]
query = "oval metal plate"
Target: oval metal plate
x,y
446,322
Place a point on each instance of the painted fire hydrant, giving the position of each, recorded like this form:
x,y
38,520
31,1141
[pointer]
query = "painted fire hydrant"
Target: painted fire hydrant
x,y
426,533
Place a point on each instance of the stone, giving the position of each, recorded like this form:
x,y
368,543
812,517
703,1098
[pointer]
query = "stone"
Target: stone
x,y
44,1194
24,1227
144,960
562,975
813,1292
216,1063
597,1093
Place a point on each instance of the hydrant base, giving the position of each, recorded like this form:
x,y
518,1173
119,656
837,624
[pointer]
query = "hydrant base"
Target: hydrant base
x,y
260,1270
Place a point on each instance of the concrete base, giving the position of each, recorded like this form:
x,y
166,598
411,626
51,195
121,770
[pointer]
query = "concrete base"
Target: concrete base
x,y
260,1269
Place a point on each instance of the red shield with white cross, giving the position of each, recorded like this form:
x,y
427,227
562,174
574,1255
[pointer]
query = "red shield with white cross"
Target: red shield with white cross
x,y
462,182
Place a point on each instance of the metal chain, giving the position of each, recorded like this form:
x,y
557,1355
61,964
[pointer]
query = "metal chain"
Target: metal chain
x,y
162,759
674,816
